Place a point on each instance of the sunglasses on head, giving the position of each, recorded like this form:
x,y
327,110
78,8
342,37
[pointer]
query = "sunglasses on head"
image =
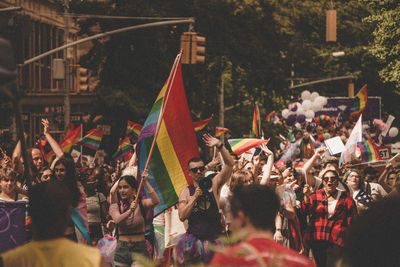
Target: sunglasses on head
x,y
196,169
330,178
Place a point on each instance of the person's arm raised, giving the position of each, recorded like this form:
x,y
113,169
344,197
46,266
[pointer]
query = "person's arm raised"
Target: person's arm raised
x,y
53,143
154,200
226,171
267,167
310,179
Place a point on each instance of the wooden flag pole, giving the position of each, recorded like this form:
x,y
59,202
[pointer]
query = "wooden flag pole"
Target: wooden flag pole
x,y
165,101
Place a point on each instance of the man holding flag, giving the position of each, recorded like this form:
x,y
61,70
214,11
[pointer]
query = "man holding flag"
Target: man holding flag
x,y
198,205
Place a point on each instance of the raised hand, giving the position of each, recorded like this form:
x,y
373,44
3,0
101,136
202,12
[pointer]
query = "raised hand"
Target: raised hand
x,y
46,125
210,140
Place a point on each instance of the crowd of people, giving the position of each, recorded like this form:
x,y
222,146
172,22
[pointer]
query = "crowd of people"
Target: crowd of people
x,y
269,211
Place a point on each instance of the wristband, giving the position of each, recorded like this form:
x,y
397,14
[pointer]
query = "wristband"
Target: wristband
x,y
277,229
220,145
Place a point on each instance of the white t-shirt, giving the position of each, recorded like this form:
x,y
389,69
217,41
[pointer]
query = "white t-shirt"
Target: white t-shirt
x,y
332,205
93,207
377,191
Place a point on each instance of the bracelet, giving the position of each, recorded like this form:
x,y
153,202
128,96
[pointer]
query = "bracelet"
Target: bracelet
x,y
220,145
277,229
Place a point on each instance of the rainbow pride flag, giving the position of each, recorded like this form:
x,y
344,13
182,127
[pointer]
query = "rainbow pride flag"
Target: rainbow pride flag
x,y
124,148
369,151
199,125
271,117
256,125
299,168
321,118
92,139
175,144
360,102
241,145
71,138
220,131
133,130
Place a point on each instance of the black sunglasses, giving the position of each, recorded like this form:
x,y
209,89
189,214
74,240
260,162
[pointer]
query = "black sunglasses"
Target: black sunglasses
x,y
330,178
195,170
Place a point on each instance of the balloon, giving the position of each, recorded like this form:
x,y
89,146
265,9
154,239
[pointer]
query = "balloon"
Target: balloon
x,y
300,110
320,100
291,119
314,95
297,125
306,105
315,106
325,100
310,114
285,113
301,118
393,132
305,95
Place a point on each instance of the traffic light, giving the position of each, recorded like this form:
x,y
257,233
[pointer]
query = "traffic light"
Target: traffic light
x,y
193,48
331,25
83,79
198,49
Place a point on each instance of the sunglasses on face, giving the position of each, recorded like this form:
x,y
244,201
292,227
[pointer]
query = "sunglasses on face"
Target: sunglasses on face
x,y
330,178
196,169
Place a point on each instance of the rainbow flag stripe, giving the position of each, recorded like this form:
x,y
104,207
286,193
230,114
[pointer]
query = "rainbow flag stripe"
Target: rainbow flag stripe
x,y
271,117
124,148
360,102
92,139
256,125
299,168
369,151
133,130
321,118
220,131
241,145
199,125
176,142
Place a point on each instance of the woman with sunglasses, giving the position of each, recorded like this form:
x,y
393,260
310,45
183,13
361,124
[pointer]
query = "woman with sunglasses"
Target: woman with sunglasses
x,y
331,212
131,219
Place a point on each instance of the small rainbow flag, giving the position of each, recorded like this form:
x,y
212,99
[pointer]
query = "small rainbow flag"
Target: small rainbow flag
x,y
321,118
124,148
133,130
299,168
360,102
92,139
256,125
199,125
220,131
271,117
292,106
241,145
175,144
369,151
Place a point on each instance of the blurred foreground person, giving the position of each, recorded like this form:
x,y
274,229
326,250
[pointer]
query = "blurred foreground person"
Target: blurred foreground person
x,y
373,237
254,208
50,209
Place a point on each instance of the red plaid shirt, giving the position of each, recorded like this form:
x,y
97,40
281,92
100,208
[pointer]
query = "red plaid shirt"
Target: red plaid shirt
x,y
330,229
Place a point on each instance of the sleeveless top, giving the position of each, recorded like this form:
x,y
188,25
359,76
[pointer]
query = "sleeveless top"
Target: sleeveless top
x,y
204,220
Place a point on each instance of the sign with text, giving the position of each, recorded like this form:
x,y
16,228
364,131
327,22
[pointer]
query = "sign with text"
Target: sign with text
x,y
385,152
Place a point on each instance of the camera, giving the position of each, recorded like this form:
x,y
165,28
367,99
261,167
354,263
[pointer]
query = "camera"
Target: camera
x,y
205,183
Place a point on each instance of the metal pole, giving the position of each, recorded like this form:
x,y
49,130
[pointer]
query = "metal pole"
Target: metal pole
x,y
100,35
67,103
323,81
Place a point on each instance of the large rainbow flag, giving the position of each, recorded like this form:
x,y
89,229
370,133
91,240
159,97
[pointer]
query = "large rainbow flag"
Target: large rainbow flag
x,y
241,145
199,125
124,148
369,151
133,130
71,138
175,144
256,125
92,139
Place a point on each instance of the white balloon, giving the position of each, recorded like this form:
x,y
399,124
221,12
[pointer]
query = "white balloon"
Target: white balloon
x,y
316,106
314,95
310,114
297,125
320,100
325,100
305,95
301,111
393,132
306,105
285,113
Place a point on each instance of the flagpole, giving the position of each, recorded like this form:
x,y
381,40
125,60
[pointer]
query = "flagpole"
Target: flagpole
x,y
81,144
165,100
